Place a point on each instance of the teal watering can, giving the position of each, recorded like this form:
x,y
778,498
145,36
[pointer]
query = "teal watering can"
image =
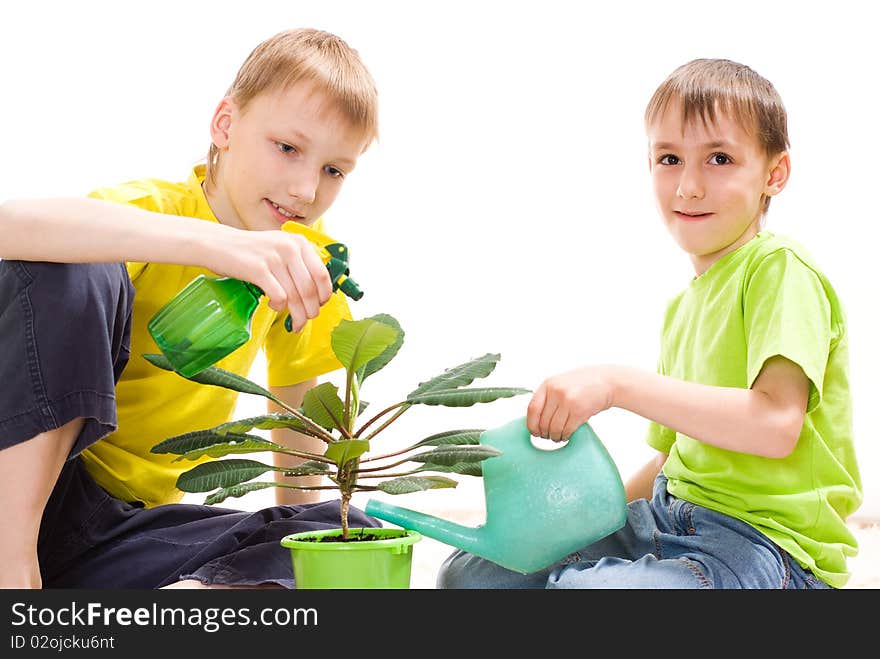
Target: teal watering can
x,y
541,505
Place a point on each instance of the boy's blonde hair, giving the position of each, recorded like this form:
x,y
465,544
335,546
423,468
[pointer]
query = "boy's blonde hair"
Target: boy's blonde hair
x,y
708,86
306,54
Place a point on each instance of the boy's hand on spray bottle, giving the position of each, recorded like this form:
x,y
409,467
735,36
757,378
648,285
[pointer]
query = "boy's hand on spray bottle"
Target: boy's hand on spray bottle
x,y
285,266
564,402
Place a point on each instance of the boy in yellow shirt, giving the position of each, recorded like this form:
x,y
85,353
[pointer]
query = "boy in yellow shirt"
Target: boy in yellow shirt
x,y
750,413
85,504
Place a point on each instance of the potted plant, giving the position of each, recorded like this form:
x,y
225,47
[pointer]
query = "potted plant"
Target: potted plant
x,y
363,347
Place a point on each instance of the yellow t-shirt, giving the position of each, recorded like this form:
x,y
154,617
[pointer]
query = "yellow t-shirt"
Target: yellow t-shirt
x,y
153,404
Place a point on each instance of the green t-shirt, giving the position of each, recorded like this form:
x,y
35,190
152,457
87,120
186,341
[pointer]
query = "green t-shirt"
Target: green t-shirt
x,y
764,299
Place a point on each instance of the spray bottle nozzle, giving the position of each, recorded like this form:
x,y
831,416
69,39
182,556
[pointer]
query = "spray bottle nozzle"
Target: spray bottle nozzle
x,y
335,256
350,288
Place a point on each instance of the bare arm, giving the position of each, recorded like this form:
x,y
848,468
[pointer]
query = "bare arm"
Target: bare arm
x,y
641,484
293,396
765,420
83,230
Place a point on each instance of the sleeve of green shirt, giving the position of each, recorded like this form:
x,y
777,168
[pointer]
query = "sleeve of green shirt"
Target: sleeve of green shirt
x,y
787,313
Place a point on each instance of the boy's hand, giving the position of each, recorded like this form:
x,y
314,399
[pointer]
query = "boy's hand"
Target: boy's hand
x,y
562,403
285,266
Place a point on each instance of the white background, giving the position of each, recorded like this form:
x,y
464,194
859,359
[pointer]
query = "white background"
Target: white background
x,y
507,206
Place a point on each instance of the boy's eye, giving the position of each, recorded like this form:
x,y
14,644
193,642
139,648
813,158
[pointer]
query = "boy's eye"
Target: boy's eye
x,y
334,172
669,159
285,148
719,159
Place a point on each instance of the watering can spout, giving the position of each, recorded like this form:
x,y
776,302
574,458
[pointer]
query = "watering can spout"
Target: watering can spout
x,y
450,533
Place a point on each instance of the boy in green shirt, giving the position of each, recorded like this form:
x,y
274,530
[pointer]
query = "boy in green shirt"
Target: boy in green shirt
x,y
750,412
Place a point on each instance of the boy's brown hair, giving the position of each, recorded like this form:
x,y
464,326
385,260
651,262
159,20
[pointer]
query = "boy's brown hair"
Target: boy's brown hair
x,y
708,86
319,57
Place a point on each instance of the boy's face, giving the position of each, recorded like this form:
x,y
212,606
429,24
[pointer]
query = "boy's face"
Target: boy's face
x,y
284,157
710,182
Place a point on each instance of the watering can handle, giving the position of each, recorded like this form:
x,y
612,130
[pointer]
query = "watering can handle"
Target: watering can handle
x,y
516,436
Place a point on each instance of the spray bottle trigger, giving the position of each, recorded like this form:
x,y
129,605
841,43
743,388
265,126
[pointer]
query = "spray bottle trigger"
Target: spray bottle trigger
x,y
337,267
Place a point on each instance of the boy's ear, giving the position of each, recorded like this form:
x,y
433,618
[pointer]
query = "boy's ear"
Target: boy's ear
x,y
780,169
221,121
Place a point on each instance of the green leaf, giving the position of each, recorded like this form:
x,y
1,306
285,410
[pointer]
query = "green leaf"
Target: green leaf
x,y
407,484
323,405
464,397
232,447
464,468
459,376
237,491
221,473
216,377
346,449
378,363
308,468
458,437
262,422
450,455
199,439
356,342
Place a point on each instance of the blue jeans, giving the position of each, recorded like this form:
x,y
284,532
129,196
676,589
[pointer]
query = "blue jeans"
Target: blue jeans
x,y
665,543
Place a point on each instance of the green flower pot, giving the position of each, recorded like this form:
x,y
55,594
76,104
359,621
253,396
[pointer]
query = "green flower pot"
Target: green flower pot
x,y
385,562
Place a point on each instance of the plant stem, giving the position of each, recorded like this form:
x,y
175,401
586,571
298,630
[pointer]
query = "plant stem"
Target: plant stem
x,y
361,473
302,454
347,415
391,455
306,487
346,482
318,431
404,407
382,467
354,408
343,506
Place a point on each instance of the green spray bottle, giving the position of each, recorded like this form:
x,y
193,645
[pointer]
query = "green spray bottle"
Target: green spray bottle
x,y
211,317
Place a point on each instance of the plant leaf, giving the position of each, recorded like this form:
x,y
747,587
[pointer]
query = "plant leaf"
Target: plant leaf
x,y
346,449
464,468
450,455
262,422
221,473
308,468
458,437
233,447
356,342
464,397
323,405
378,363
216,377
407,484
199,439
237,491
459,376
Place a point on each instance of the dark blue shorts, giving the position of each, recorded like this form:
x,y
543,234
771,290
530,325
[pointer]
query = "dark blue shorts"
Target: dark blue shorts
x,y
90,539
65,332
